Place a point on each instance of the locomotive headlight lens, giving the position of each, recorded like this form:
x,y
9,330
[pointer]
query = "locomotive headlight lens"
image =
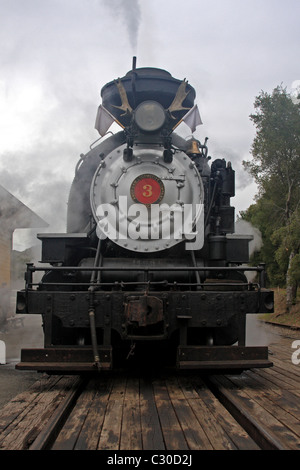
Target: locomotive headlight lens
x,y
150,116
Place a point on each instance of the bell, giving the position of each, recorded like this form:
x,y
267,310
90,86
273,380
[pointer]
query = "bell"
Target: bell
x,y
193,147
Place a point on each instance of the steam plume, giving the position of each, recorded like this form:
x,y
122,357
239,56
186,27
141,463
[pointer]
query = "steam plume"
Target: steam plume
x,y
295,93
130,13
243,227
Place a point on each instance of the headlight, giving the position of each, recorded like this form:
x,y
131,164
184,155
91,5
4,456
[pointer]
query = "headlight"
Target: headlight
x,y
150,116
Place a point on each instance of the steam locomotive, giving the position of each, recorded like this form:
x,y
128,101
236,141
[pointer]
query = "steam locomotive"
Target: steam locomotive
x,y
149,268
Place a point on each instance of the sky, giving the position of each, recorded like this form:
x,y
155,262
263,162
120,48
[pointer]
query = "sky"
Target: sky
x,y
56,55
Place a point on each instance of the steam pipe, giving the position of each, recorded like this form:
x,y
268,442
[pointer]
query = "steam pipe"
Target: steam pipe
x,y
195,265
94,337
92,309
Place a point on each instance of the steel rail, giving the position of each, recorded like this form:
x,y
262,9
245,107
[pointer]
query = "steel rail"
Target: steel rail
x,y
49,433
263,438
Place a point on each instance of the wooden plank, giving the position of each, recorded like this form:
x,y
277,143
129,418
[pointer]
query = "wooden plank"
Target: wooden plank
x,y
279,407
289,401
18,404
131,436
261,381
192,428
194,434
174,389
173,436
282,404
259,417
152,438
24,430
188,388
111,430
216,435
282,356
24,414
90,433
232,429
288,368
278,379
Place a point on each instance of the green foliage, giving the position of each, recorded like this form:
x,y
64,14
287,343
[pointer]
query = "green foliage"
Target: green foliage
x,y
275,166
276,146
295,269
259,216
287,240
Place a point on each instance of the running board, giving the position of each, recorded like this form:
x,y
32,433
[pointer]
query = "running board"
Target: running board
x,y
64,360
222,357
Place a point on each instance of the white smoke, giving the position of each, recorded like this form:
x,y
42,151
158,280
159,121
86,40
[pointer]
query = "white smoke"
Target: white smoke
x,y
129,12
295,93
257,333
243,227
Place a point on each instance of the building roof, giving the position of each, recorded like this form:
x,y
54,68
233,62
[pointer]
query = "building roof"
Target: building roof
x,y
14,214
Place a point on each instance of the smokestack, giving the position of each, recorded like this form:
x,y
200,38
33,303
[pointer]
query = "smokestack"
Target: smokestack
x,y
133,62
133,80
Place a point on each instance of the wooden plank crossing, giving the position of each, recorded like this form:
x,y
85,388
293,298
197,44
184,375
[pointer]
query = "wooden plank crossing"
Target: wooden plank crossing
x,y
270,396
24,417
131,412
167,411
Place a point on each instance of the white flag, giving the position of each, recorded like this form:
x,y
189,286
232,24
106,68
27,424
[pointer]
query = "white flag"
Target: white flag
x,y
103,120
192,118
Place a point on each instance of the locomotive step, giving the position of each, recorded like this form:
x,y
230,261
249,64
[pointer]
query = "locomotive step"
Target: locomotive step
x,y
59,367
64,359
222,357
225,365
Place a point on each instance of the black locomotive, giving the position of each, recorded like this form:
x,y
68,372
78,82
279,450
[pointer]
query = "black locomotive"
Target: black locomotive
x,y
149,268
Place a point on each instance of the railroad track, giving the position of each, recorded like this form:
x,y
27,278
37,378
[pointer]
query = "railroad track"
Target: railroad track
x,y
166,411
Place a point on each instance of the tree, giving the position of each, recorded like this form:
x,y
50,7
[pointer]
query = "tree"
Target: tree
x,y
258,215
287,240
275,167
